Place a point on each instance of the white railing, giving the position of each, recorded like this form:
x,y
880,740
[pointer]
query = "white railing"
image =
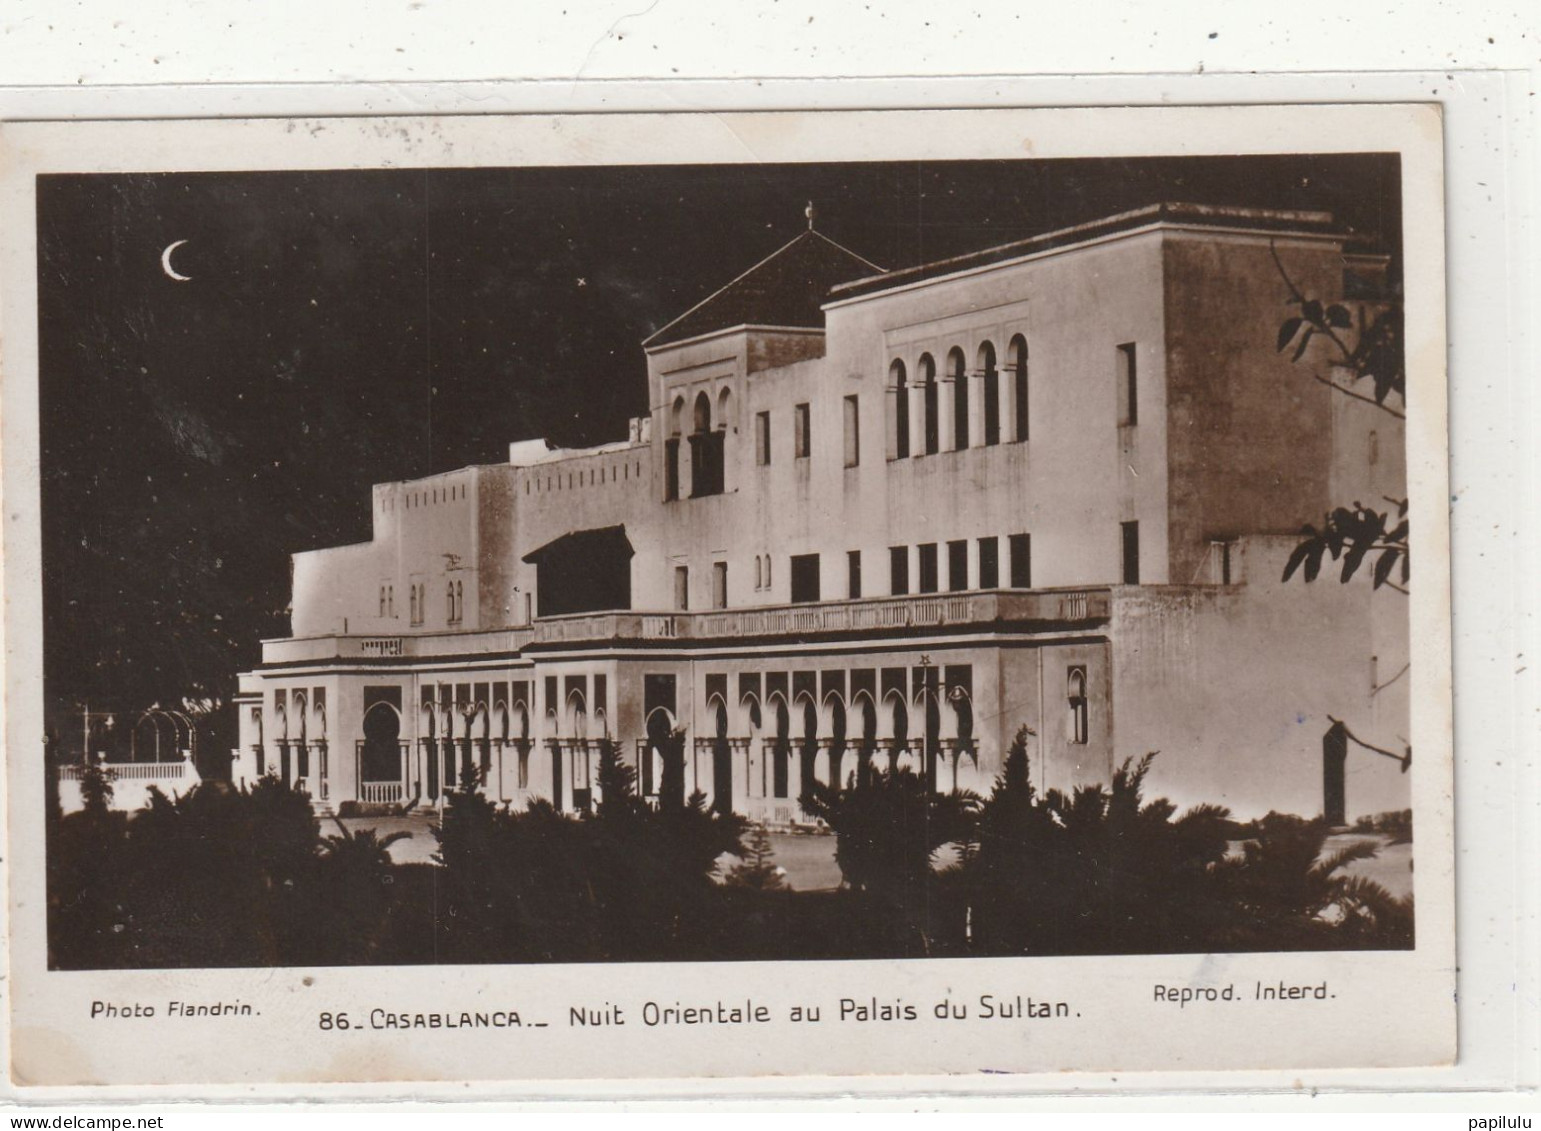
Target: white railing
x,y
131,771
1056,607
381,646
381,792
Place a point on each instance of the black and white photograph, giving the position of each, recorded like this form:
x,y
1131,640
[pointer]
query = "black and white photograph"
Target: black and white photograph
x,y
583,563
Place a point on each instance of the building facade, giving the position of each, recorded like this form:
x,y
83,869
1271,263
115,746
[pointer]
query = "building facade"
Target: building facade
x,y
889,517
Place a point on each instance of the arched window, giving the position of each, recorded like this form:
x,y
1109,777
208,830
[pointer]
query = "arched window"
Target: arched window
x,y
957,370
412,600
382,601
460,605
992,380
1075,693
931,419
671,448
901,417
449,602
1018,363
724,407
706,449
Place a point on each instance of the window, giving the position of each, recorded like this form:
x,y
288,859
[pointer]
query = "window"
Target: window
x,y
992,391
706,451
671,452
767,571
1021,547
802,441
898,570
900,448
382,601
759,574
1075,694
931,419
805,577
989,563
853,574
1131,539
1223,554
449,602
928,571
1128,386
1019,385
957,369
681,587
762,439
412,600
719,585
957,566
671,469
852,432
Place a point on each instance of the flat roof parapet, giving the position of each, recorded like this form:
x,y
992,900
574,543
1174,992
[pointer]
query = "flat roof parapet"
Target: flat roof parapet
x,y
1263,220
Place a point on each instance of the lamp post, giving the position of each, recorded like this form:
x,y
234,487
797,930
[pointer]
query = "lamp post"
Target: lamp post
x,y
86,716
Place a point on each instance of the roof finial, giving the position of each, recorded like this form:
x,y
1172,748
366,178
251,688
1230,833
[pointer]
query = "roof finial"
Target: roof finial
x,y
808,212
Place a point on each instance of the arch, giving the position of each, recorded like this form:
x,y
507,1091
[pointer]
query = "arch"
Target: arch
x,y
894,726
481,735
380,754
677,417
660,727
722,756
957,370
1075,695
866,731
1016,359
519,735
992,393
960,716
163,726
724,407
901,414
832,724
706,450
577,708
931,436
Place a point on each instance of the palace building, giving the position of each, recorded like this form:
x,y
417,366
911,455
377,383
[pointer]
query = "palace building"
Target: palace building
x,y
888,518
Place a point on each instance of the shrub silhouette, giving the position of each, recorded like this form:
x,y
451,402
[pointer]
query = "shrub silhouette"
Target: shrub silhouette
x,y
757,871
1283,892
887,836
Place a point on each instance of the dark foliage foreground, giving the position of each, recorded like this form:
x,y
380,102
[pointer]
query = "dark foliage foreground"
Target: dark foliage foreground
x,y
221,877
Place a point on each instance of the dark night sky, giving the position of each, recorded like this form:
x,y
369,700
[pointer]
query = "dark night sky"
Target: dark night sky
x,y
347,328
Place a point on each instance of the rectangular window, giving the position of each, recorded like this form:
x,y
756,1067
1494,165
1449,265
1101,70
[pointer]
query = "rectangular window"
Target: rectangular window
x,y
989,563
957,566
805,577
671,470
719,585
1021,547
928,570
898,570
853,574
762,439
802,441
1128,386
852,432
1131,537
681,587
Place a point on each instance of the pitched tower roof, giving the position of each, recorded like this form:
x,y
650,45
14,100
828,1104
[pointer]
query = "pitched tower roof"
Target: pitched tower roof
x,y
786,288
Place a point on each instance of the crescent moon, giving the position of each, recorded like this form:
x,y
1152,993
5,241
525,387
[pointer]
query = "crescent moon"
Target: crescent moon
x,y
171,272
